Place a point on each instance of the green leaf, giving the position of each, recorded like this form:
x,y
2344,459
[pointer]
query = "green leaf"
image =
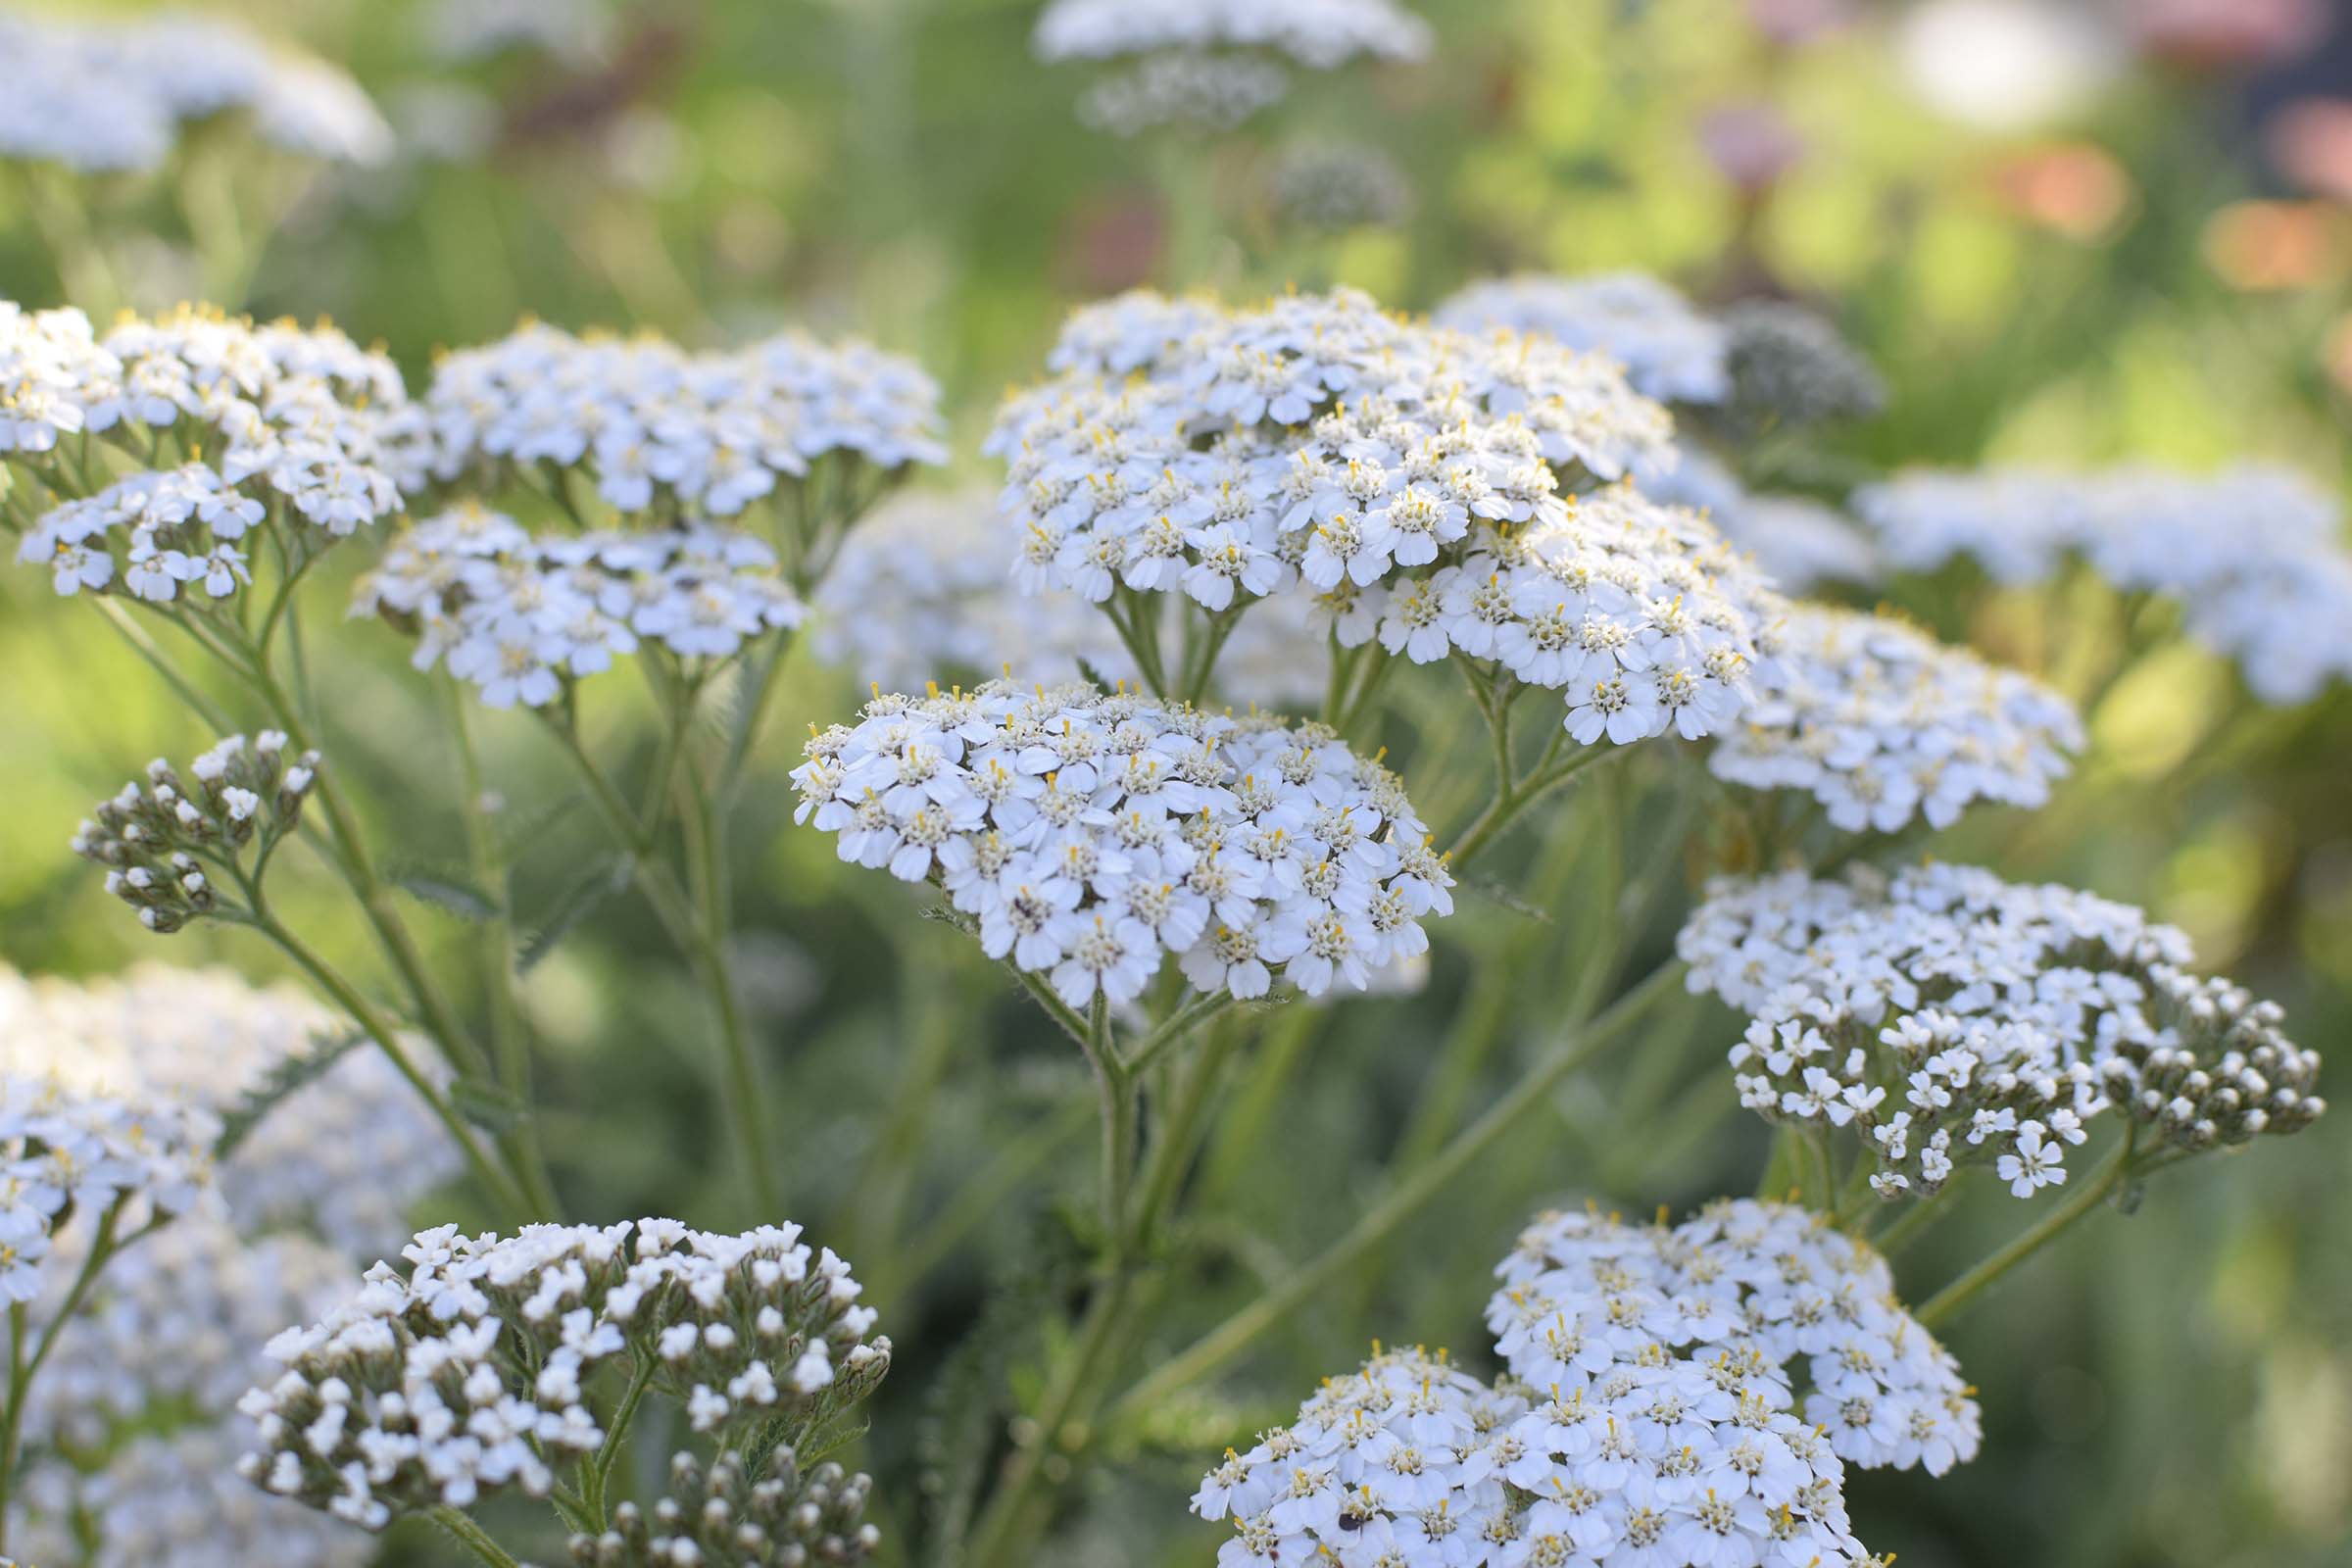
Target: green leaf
x,y
450,893
288,1077
519,830
1495,893
573,905
1086,667
493,1108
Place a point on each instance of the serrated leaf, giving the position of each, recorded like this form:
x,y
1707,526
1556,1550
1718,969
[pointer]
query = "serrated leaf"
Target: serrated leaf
x,y
1086,667
519,830
572,906
450,893
288,1077
493,1108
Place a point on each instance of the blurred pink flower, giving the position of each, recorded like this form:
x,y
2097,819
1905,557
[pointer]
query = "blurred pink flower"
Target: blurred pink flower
x,y
1751,143
2074,189
2227,32
1793,24
2311,142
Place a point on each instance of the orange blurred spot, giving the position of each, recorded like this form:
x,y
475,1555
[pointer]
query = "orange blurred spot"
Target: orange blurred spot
x,y
2274,245
2072,188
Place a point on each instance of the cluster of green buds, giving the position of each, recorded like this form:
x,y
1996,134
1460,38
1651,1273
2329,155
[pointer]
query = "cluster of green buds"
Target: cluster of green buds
x,y
2221,1072
161,841
716,1516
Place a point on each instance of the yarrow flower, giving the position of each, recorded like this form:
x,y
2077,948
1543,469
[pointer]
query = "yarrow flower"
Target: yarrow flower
x,y
286,433
1647,1416
917,595
1214,61
103,97
1669,350
162,841
520,618
1951,1018
1089,836
341,1158
1410,478
682,435
1743,1290
67,1156
174,1501
2252,554
475,1367
1882,724
1403,1458
721,1516
1798,542
1338,185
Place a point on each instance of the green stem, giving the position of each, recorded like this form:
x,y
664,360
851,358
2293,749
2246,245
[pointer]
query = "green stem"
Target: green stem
x,y
599,1468
1909,1224
1195,1010
503,1189
981,1197
22,1371
2086,1198
509,1041
472,1537
1230,1337
747,1100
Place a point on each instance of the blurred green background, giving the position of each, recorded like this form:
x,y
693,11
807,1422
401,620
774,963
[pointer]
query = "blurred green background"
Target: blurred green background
x,y
2144,265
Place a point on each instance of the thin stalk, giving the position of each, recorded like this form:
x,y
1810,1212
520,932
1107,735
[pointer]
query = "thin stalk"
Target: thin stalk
x,y
599,1468
509,1041
1060,1011
1237,1332
747,1099
23,1370
502,1187
982,1194
1189,1016
1909,1224
1957,1295
472,1537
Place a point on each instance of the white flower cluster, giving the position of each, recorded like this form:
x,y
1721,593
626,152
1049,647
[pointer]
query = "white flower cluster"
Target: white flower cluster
x,y
1884,725
1213,91
1647,1417
137,1401
1766,1286
1948,1018
1670,351
341,1159
917,595
175,1323
174,1501
1319,35
70,1156
686,436
1332,186
1401,1463
273,421
106,96
1798,542
519,616
470,1370
1406,475
718,1516
2254,555
157,840
1090,835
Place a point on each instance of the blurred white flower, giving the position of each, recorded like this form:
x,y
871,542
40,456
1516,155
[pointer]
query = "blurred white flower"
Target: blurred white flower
x,y
2005,65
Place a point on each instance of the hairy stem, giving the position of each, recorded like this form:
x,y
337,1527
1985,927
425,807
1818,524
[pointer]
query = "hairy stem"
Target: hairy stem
x,y
2093,1191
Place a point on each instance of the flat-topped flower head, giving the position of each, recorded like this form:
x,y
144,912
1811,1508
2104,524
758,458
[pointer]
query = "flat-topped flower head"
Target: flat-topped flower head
x,y
1089,836
1754,1287
173,847
917,595
1949,1019
725,1515
656,429
341,1159
1314,435
212,437
482,1362
1670,351
2254,555
1319,35
104,97
1798,542
1884,725
521,617
1399,1463
72,1157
